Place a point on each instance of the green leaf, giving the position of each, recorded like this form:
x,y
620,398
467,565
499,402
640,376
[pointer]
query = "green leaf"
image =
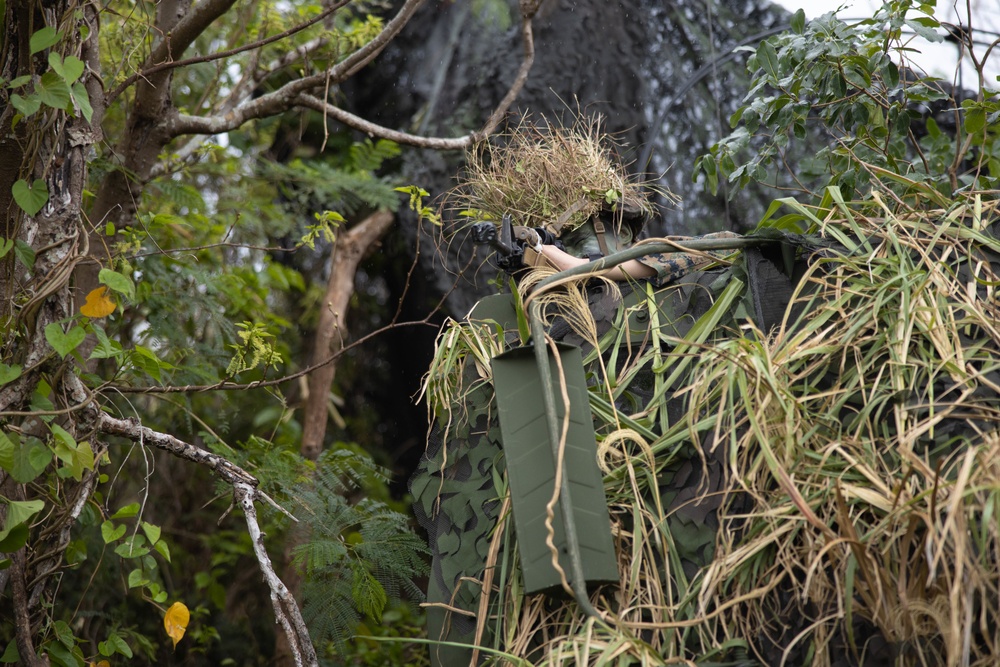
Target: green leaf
x,y
110,532
369,595
152,532
120,646
82,100
76,552
798,22
6,452
126,512
106,347
77,457
132,547
767,58
5,246
62,436
64,634
923,28
163,549
975,120
27,106
70,69
53,91
19,512
31,198
64,342
14,539
43,39
19,81
891,74
9,373
60,655
11,654
30,458
137,578
117,282
24,252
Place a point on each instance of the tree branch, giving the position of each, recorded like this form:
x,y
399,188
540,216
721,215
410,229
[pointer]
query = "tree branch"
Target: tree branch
x,y
371,129
133,430
286,610
295,93
348,251
284,98
346,68
245,492
22,623
195,22
218,55
527,36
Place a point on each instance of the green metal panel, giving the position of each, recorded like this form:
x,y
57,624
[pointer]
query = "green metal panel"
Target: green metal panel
x,y
497,307
531,469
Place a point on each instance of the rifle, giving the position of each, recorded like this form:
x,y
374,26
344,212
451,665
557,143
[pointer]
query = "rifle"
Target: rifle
x,y
509,241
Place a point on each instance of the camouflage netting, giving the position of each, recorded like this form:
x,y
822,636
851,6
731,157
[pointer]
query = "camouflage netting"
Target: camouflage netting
x,y
824,492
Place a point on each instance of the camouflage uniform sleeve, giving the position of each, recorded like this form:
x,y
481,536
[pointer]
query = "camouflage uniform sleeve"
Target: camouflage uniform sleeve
x,y
670,266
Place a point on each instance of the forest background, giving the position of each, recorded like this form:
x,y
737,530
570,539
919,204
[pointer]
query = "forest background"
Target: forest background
x,y
215,292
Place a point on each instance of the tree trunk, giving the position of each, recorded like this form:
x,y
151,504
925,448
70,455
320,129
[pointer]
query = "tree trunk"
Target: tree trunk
x,y
348,251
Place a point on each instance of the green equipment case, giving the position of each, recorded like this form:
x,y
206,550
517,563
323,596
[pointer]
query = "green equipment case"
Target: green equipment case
x,y
531,468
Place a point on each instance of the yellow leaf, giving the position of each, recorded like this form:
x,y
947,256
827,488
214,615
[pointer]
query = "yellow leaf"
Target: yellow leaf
x,y
176,621
99,304
102,663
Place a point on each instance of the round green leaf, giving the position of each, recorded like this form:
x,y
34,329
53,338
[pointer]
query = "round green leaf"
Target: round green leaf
x,y
53,91
26,106
31,198
64,342
118,282
9,373
70,69
975,120
43,39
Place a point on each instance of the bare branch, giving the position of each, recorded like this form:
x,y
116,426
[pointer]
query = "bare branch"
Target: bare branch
x,y
373,130
133,430
286,610
294,94
527,36
331,330
245,490
22,623
234,386
283,99
346,68
196,21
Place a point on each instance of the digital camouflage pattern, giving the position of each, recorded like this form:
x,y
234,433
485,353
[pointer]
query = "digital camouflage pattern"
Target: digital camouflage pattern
x,y
670,266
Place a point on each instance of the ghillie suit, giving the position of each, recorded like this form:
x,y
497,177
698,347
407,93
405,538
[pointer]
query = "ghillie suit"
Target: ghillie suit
x,y
800,453
460,486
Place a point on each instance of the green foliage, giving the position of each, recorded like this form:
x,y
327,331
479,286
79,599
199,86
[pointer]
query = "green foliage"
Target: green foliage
x,y
360,556
54,89
851,85
255,349
215,277
416,203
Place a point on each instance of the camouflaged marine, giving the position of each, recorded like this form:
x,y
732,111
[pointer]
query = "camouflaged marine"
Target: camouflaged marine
x,y
460,487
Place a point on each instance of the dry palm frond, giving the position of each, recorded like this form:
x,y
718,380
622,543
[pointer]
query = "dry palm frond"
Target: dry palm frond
x,y
860,449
